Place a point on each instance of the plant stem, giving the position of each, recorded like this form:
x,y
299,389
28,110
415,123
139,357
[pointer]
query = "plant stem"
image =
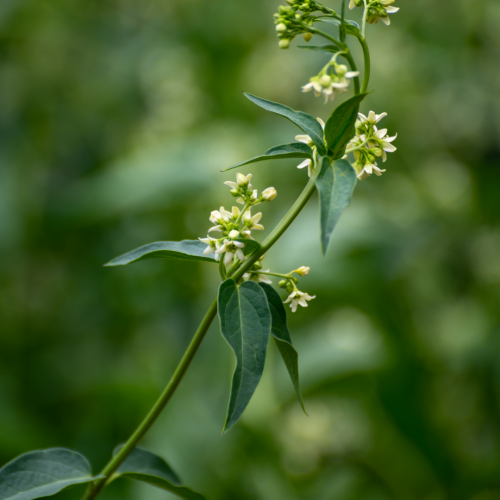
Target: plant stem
x,y
95,488
366,55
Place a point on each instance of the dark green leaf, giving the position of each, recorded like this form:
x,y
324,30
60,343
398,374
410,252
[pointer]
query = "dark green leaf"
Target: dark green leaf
x,y
43,473
305,122
320,48
281,335
152,469
250,245
177,250
245,321
294,150
339,128
335,187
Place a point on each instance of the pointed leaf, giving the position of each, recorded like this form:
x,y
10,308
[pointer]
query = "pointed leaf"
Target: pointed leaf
x,y
320,48
43,473
294,150
351,27
177,250
339,128
306,122
245,321
335,187
281,335
250,245
143,465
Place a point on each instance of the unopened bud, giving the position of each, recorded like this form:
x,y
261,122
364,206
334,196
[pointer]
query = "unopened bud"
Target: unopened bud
x,y
377,152
243,180
257,266
341,69
282,9
235,193
282,283
234,234
281,28
284,44
269,194
325,80
289,287
307,36
303,271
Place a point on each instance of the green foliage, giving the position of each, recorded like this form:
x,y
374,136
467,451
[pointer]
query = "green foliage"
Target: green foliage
x,y
175,250
335,185
281,335
320,48
245,321
304,121
339,128
143,465
285,151
43,473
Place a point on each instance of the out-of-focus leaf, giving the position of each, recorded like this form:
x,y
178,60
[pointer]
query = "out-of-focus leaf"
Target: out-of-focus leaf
x,y
351,27
245,321
177,250
306,122
281,335
320,48
144,466
251,246
43,473
340,126
335,185
294,150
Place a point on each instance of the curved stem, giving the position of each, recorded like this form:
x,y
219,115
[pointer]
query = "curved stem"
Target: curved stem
x,y
352,65
366,55
365,15
95,488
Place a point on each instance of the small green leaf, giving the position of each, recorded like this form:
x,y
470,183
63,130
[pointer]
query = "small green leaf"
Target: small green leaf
x,y
339,128
281,335
351,27
335,187
245,321
294,150
177,250
152,469
250,245
305,122
43,473
320,48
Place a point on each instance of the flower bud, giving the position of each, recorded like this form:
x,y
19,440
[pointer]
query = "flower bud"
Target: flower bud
x,y
341,69
243,180
234,234
307,36
325,80
377,152
289,287
235,193
281,28
282,9
282,284
257,266
269,194
303,271
284,44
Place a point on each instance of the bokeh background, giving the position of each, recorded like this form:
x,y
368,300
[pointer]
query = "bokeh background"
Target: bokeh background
x,y
116,118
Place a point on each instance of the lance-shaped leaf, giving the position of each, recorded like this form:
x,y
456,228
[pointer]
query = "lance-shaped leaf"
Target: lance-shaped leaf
x,y
245,321
294,150
306,122
176,250
335,185
152,469
339,128
43,473
281,335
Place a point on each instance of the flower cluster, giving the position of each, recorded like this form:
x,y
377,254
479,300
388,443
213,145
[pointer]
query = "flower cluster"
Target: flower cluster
x,y
296,297
333,79
295,19
236,225
369,144
377,9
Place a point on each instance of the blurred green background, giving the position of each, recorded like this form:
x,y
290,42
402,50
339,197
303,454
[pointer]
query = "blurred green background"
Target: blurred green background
x,y
116,118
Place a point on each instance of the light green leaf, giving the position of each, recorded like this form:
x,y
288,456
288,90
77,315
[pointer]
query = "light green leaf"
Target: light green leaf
x,y
177,250
294,150
245,321
335,187
152,469
351,27
339,128
320,48
281,335
43,473
305,122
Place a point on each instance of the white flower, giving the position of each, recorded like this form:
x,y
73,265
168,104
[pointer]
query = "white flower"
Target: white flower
x,y
306,163
369,169
257,277
211,242
243,180
269,194
230,248
306,139
252,222
297,298
329,85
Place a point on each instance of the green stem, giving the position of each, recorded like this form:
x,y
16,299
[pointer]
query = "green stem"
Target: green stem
x,y
365,15
353,67
287,276
366,55
95,488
